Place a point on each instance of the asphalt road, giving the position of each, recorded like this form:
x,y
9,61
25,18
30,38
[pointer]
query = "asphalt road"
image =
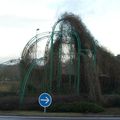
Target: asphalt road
x,y
56,118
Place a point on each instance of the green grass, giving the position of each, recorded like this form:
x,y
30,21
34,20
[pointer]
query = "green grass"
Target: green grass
x,y
108,111
37,113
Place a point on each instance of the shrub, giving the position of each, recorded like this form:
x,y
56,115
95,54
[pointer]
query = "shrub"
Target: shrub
x,y
112,101
31,89
83,107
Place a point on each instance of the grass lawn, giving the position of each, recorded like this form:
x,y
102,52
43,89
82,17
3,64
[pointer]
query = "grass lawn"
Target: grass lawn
x,y
108,111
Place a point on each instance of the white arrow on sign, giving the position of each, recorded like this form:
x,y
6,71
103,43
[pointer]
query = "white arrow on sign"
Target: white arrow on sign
x,y
46,100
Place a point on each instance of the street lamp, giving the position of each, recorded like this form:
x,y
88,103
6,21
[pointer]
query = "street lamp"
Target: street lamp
x,y
37,32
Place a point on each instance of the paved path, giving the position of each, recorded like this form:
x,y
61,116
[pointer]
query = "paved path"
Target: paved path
x,y
56,118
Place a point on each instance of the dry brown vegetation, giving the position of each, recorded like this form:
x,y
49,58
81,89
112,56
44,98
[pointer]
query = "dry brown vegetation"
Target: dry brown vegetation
x,y
100,83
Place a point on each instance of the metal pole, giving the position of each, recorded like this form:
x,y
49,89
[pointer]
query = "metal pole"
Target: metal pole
x,y
44,109
37,30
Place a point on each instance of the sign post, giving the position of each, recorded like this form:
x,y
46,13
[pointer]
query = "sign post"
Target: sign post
x,y
45,100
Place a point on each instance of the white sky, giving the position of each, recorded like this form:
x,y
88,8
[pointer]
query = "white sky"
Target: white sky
x,y
19,20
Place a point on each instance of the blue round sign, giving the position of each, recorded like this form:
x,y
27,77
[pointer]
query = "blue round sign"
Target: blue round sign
x,y
45,100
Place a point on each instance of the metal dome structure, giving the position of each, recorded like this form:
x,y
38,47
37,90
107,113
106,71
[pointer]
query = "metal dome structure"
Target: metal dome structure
x,y
58,65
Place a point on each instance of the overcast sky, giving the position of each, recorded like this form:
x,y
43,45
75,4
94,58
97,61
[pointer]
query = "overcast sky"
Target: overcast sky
x,y
19,20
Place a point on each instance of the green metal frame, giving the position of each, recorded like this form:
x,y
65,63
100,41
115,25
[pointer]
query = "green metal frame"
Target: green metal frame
x,y
75,34
24,82
50,69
